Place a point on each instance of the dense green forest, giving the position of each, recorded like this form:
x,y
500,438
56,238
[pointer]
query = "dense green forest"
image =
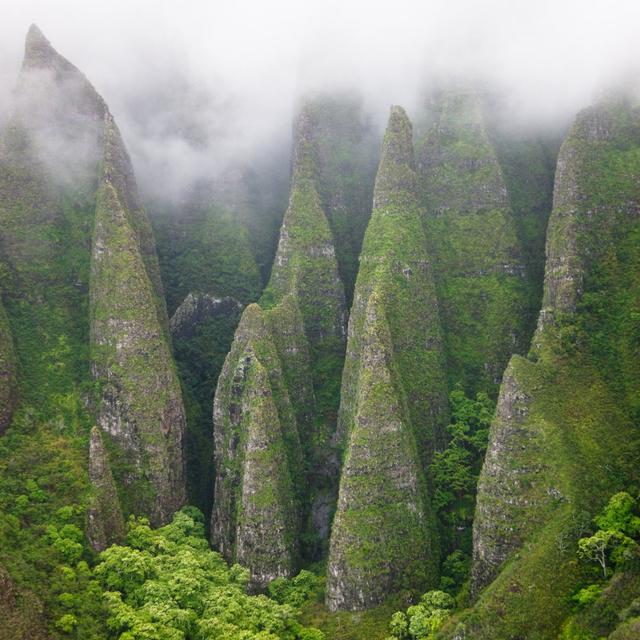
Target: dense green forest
x,y
385,387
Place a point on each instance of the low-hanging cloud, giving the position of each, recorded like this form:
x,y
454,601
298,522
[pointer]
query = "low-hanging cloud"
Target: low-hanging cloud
x,y
197,86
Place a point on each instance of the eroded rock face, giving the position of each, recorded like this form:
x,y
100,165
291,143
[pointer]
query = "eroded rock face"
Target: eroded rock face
x,y
105,524
393,398
198,308
141,406
512,466
479,266
255,516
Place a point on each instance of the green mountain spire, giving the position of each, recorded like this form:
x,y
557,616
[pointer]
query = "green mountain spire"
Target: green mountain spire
x,y
393,401
479,268
395,260
382,535
141,406
565,432
257,456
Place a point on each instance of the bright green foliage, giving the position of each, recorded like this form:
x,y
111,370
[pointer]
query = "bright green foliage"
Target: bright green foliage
x,y
168,585
588,595
613,542
423,620
295,591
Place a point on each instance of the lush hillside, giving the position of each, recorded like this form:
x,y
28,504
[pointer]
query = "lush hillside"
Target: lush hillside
x,y
375,387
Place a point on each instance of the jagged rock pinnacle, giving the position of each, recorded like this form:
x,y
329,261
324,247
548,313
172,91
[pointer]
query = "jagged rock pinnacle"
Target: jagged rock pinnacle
x,y
38,51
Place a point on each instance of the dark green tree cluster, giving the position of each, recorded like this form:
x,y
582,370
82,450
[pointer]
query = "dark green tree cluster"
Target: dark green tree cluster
x,y
456,468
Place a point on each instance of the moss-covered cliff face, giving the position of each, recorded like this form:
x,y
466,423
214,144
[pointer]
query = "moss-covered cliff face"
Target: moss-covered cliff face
x,y
69,184
105,524
393,400
485,296
258,456
565,435
382,539
141,402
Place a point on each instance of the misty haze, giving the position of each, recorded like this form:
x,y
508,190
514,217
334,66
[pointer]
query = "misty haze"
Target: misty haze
x,y
320,320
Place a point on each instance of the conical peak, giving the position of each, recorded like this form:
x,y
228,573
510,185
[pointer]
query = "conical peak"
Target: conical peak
x,y
252,322
399,133
38,51
395,180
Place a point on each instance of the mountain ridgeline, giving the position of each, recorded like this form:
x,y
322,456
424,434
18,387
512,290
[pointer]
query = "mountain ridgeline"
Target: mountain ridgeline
x,y
323,388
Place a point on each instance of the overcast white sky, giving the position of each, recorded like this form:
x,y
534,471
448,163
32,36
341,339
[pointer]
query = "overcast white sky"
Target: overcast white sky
x,y
245,61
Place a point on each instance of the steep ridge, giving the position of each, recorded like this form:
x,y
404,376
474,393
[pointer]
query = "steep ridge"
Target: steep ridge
x,y
305,266
81,277
346,150
141,402
485,295
565,433
299,326
393,401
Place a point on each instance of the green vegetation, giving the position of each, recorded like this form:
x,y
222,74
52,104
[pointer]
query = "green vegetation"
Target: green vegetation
x,y
455,472
422,620
608,599
565,435
487,301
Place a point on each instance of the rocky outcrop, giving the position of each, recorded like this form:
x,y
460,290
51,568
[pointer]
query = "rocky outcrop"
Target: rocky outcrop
x,y
105,524
393,400
564,434
258,457
479,266
199,308
8,381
